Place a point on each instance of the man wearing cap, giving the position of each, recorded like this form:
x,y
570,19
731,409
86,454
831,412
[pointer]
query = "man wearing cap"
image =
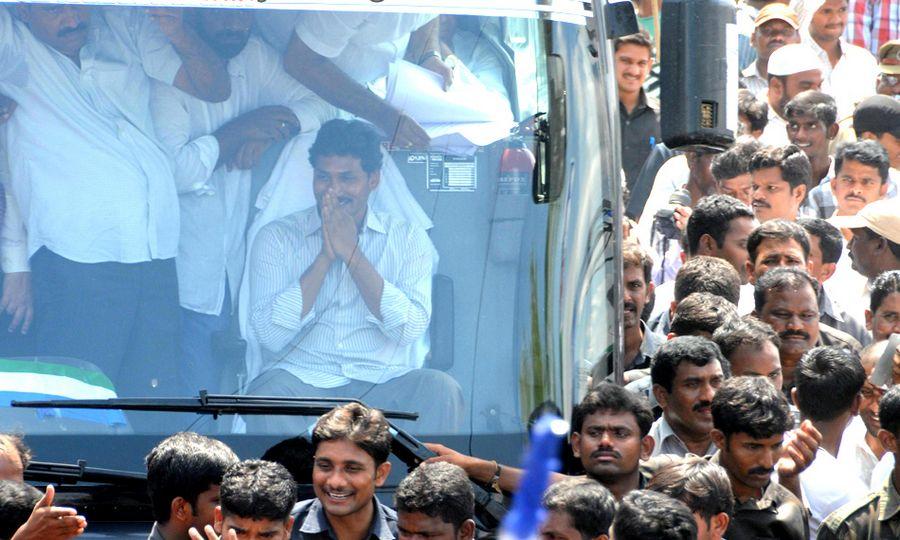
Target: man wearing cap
x,y
791,69
875,246
847,69
888,82
775,26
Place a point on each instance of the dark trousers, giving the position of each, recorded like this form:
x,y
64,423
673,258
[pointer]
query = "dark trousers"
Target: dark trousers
x,y
122,317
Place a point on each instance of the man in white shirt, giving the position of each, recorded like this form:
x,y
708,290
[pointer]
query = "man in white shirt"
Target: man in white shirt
x,y
686,373
792,69
849,72
828,381
341,295
214,147
776,25
95,191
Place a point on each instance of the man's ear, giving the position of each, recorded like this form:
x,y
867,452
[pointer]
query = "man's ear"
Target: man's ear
x,y
799,193
662,397
647,444
288,525
575,443
750,277
707,245
180,510
718,438
883,191
374,179
832,131
219,520
672,307
650,288
867,136
775,90
828,270
794,395
869,317
719,524
854,407
887,440
381,473
466,530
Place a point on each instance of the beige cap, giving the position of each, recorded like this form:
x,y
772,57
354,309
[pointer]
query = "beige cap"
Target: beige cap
x,y
793,58
777,11
881,216
889,57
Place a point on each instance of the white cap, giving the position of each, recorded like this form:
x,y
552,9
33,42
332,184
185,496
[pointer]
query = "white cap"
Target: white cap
x,y
793,58
881,216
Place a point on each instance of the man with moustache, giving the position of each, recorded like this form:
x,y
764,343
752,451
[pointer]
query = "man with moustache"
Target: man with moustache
x,y
883,315
776,25
780,180
214,147
792,69
787,299
775,243
686,373
861,175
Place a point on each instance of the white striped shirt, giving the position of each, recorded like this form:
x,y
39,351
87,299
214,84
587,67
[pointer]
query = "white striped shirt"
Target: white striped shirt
x,y
339,340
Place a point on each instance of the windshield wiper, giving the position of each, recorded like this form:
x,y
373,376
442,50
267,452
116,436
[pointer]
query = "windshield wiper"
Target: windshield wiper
x,y
212,404
407,448
71,474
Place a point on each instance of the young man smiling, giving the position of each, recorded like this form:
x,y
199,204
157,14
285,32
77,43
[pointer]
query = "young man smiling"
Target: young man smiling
x,y
351,444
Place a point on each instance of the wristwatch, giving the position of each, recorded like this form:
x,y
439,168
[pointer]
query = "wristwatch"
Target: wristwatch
x,y
495,480
428,54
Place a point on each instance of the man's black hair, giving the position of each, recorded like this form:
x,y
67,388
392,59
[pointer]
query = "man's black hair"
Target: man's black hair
x,y
440,490
735,161
831,243
17,500
589,505
703,486
297,456
701,313
353,138
886,284
641,39
780,230
867,152
646,514
756,110
713,216
257,489
608,397
782,279
814,104
750,405
16,443
790,160
184,465
707,274
889,410
672,353
828,379
744,331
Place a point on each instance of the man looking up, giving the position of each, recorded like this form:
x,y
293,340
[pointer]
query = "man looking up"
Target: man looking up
x,y
787,299
883,315
792,69
731,169
750,419
828,381
257,497
872,516
577,509
340,295
610,436
705,489
352,444
776,25
780,181
848,71
811,125
184,477
435,501
633,58
686,373
751,348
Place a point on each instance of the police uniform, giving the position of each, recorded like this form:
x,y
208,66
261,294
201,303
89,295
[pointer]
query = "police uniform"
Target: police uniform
x,y
877,516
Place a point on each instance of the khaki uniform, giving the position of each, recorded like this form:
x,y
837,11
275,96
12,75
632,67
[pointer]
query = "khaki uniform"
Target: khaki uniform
x,y
876,517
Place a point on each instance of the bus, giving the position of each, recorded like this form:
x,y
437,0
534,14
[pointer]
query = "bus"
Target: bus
x,y
139,243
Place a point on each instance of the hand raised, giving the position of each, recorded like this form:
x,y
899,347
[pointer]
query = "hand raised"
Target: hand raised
x,y
340,227
48,522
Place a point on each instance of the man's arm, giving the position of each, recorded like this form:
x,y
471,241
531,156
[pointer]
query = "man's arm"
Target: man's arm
x,y
48,522
424,49
482,470
203,73
799,452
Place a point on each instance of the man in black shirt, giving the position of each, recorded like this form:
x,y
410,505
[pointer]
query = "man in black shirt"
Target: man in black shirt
x,y
640,117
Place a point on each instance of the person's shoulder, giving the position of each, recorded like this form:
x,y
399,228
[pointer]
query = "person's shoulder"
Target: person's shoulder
x,y
302,508
853,516
859,53
836,338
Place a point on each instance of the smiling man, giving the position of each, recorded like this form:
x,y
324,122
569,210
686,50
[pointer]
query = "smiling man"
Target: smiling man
x,y
780,178
811,125
340,295
352,444
633,58
686,373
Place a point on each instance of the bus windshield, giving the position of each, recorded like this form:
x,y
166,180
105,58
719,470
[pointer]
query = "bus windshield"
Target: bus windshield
x,y
311,203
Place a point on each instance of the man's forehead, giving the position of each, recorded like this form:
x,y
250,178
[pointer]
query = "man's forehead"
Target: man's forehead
x,y
746,438
786,297
779,246
609,418
688,369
